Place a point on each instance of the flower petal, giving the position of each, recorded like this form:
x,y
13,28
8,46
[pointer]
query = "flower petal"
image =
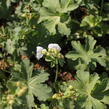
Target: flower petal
x,y
39,52
54,45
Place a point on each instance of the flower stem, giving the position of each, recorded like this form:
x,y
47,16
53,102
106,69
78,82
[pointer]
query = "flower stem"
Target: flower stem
x,y
56,76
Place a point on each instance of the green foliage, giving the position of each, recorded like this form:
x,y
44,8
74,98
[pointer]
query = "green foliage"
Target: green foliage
x,y
56,14
34,83
75,29
63,104
93,93
4,8
31,86
87,55
91,21
36,88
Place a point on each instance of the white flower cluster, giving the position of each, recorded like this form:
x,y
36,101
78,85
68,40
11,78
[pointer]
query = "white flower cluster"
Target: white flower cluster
x,y
39,49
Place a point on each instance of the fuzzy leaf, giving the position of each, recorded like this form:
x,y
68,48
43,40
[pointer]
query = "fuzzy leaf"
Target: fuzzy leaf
x,y
93,93
35,84
87,55
91,21
36,87
52,13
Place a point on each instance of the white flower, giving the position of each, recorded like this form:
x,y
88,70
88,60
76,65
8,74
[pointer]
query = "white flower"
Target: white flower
x,y
54,45
39,52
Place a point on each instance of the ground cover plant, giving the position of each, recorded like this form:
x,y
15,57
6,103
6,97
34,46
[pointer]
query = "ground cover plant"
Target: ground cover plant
x,y
54,54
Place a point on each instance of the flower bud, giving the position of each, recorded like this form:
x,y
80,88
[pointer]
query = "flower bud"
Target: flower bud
x,y
11,102
56,96
23,15
71,87
21,91
44,52
55,51
48,54
10,97
18,84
